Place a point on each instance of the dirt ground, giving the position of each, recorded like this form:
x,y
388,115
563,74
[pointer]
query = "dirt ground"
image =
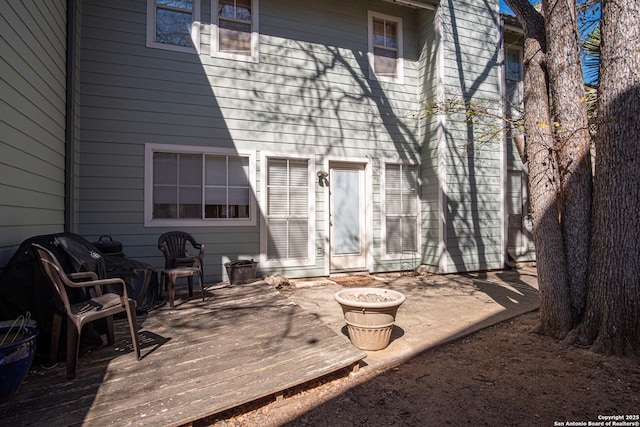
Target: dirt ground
x,y
505,375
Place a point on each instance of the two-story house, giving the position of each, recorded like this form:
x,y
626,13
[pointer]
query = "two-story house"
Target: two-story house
x,y
290,132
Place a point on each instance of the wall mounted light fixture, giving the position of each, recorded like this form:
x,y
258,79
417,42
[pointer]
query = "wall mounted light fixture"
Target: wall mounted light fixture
x,y
323,180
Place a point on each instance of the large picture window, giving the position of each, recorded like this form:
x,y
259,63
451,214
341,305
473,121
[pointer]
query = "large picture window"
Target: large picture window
x,y
199,188
400,209
385,48
235,29
288,219
173,24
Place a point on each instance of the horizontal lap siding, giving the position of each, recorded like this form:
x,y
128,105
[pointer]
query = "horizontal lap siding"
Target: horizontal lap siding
x,y
474,173
429,171
132,95
309,94
32,129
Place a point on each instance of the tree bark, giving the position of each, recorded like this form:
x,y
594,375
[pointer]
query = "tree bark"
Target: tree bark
x,y
611,323
572,137
555,312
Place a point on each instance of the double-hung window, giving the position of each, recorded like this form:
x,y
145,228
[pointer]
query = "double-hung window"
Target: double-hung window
x,y
385,48
514,102
400,209
198,187
174,24
513,79
235,29
288,221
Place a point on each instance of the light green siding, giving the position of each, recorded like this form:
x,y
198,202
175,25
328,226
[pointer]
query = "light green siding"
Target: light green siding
x,y
429,172
473,222
32,125
309,94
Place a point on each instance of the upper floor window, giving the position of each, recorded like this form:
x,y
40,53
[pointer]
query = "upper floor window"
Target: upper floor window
x,y
198,187
513,78
173,24
514,96
385,48
235,29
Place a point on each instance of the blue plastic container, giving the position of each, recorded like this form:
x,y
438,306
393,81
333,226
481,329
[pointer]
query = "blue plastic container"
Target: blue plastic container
x,y
15,359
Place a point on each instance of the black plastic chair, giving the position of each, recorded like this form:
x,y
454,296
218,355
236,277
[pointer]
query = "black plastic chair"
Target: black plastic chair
x,y
174,245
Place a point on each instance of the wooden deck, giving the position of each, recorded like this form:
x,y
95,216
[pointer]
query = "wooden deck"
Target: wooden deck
x,y
243,343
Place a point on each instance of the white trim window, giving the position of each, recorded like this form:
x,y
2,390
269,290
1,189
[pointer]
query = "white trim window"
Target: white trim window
x,y
400,209
513,90
288,218
235,29
196,186
174,25
513,79
385,48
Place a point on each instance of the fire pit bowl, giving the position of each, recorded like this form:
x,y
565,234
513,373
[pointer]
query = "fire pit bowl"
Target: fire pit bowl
x,y
17,350
370,314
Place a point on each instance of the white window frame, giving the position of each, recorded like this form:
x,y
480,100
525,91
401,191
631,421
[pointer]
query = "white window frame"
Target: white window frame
x,y
215,35
383,209
194,30
149,221
399,77
311,181
513,110
519,82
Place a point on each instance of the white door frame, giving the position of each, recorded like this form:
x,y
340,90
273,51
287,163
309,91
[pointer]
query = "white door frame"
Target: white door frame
x,y
366,216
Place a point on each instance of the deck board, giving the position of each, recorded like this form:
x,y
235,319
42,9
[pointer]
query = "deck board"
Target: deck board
x,y
200,358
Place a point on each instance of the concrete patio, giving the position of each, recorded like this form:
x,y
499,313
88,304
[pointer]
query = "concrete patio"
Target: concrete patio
x,y
439,308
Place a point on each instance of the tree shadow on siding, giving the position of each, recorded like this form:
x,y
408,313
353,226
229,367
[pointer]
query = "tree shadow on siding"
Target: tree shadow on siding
x,y
474,210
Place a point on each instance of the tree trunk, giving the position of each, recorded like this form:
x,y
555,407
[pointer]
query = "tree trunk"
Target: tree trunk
x,y
555,313
611,323
571,128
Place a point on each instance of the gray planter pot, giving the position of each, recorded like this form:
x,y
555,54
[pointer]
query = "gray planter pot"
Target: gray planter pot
x,y
370,314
